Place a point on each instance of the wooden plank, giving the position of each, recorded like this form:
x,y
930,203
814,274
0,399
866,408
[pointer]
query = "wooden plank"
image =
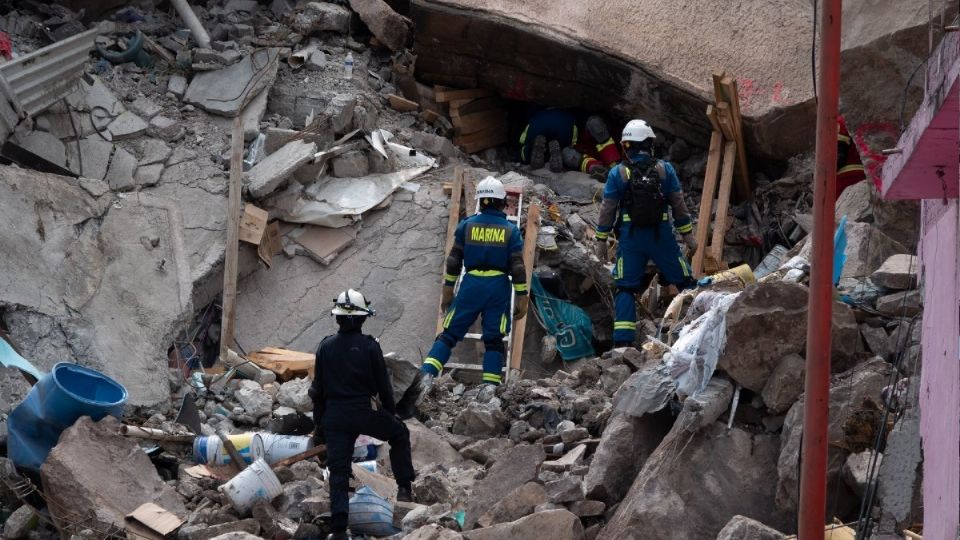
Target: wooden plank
x,y
529,252
723,200
726,122
712,116
456,104
402,104
729,87
467,107
285,366
473,123
323,244
286,355
233,238
481,140
706,201
470,197
444,96
717,89
452,221
271,244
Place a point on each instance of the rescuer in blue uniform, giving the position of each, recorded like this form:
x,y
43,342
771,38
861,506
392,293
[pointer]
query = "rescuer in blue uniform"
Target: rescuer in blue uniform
x,y
491,249
554,128
635,200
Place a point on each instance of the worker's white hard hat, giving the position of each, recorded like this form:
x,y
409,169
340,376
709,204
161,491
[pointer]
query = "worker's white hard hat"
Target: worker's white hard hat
x,y
637,131
351,302
491,188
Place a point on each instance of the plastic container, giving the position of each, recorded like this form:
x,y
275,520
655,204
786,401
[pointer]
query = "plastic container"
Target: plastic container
x,y
771,262
279,447
58,399
348,66
210,450
371,514
254,484
255,152
370,465
742,272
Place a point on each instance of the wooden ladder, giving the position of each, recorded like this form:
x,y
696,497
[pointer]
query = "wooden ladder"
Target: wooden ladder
x,y
726,147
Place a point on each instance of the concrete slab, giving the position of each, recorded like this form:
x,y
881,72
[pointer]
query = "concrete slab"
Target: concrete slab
x,y
266,176
145,107
252,114
165,128
44,145
127,126
177,85
152,151
121,170
148,175
227,91
93,157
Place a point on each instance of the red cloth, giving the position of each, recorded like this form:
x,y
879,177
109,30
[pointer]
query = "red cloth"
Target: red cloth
x,y
6,46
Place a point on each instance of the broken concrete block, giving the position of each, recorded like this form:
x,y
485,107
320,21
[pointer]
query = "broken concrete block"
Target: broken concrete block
x,y
867,248
486,451
245,79
204,532
614,377
20,523
100,476
901,304
433,488
899,272
480,420
215,59
265,177
517,466
254,400
251,116
433,531
625,445
433,144
127,126
856,470
153,151
340,111
877,341
565,490
785,384
44,145
166,129
351,165
145,107
553,524
148,175
177,85
322,17
94,187
587,508
122,167
293,394
96,96
518,503
89,157
13,389
744,528
389,27
429,448
856,202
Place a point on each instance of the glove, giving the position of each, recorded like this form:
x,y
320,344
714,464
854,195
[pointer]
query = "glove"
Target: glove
x,y
691,241
520,307
446,298
318,436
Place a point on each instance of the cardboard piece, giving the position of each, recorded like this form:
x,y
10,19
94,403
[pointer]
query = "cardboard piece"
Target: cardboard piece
x,y
270,245
323,244
152,522
253,223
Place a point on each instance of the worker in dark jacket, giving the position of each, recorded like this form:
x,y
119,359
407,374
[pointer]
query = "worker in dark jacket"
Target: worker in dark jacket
x,y
352,396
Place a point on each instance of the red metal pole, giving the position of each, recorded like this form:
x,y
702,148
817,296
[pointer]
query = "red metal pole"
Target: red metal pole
x,y
813,473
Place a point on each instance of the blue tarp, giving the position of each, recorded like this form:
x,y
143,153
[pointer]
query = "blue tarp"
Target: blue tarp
x,y
568,323
10,358
58,400
839,250
371,514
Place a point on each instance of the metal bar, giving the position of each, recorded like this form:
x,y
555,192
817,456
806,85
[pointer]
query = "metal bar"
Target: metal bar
x,y
813,471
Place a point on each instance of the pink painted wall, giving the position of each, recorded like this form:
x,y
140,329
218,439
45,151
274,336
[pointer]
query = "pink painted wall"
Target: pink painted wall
x,y
940,374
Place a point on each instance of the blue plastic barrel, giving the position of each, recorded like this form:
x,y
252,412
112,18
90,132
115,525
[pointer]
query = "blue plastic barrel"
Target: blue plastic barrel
x,y
371,514
58,400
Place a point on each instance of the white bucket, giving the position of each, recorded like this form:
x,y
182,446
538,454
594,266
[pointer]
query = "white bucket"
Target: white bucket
x,y
255,483
276,448
210,450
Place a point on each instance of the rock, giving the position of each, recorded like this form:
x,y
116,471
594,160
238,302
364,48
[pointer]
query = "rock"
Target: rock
x,y
432,488
518,503
625,445
265,177
166,129
145,107
565,490
127,126
433,532
570,436
856,471
177,85
121,171
295,493
44,145
588,508
152,151
768,321
898,219
486,451
668,496
877,340
480,420
249,77
254,400
13,389
100,476
433,144
402,373
517,466
785,384
552,524
351,165
293,394
901,304
303,470
321,17
272,523
744,528
93,158
856,202
249,526
422,515
613,377
576,185
429,448
390,28
867,248
340,112
148,175
20,522
237,536
899,272
214,58
847,394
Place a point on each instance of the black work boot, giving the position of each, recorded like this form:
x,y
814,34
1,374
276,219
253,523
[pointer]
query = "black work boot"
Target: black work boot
x,y
538,152
556,157
404,494
339,536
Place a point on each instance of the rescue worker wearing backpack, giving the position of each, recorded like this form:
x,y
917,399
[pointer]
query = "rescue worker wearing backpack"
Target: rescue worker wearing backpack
x,y
635,207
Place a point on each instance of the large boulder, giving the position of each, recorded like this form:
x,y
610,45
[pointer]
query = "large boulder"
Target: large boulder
x,y
429,448
901,304
899,272
402,373
848,392
856,202
867,248
480,420
785,384
517,466
767,322
552,524
486,451
96,476
744,528
518,503
625,445
390,28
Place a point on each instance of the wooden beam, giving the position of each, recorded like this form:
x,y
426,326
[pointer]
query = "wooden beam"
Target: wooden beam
x,y
726,122
473,123
723,201
452,221
729,87
233,238
529,252
712,116
402,104
445,95
717,89
481,140
706,200
466,107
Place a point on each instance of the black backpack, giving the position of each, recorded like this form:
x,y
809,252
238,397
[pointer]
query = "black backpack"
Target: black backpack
x,y
644,200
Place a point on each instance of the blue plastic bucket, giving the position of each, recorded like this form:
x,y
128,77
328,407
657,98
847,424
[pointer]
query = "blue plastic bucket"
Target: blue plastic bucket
x,y
58,400
371,514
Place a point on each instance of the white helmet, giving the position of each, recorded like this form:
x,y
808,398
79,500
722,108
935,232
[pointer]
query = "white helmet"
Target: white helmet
x,y
491,188
637,131
351,302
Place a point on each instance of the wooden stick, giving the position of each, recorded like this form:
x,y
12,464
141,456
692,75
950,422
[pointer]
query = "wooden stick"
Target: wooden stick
x,y
729,87
723,200
453,221
154,434
319,450
712,116
529,251
235,460
717,89
233,238
706,201
726,122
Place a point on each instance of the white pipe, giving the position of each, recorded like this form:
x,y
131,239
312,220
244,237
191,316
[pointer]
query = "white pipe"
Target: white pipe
x,y
193,23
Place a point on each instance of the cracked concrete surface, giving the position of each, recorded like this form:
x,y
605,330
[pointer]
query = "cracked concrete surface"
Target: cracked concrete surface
x,y
395,261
